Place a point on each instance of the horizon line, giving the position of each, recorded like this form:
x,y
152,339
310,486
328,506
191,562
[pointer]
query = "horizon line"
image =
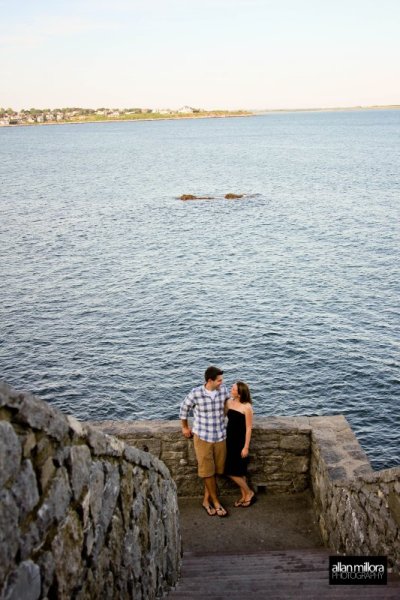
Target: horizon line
x,y
257,110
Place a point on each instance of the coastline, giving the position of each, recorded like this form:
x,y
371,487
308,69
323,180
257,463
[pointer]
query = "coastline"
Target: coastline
x,y
250,113
170,118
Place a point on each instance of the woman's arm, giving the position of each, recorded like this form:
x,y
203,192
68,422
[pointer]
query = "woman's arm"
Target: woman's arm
x,y
249,424
227,406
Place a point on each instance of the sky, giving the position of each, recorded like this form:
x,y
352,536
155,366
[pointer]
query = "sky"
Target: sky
x,y
210,54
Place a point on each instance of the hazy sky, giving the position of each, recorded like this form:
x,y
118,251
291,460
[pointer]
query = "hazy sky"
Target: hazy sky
x,y
203,53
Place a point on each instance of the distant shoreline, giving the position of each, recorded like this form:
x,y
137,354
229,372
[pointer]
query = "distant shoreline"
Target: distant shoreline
x,y
227,115
137,120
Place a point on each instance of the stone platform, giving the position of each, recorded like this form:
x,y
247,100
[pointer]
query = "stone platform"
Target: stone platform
x,y
274,522
271,550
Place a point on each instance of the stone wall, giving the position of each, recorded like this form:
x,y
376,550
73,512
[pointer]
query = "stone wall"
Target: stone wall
x,y
82,514
279,459
358,509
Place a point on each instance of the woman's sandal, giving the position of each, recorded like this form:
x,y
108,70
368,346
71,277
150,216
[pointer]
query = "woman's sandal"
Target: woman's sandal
x,y
210,510
238,503
221,512
248,502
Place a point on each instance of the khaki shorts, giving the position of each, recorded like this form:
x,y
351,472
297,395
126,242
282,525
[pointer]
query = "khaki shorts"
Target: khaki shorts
x,y
210,457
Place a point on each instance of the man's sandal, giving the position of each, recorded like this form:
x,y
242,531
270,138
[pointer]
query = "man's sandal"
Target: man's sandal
x,y
221,512
210,510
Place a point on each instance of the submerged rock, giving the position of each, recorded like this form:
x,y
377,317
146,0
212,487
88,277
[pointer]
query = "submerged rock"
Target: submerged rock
x,y
185,197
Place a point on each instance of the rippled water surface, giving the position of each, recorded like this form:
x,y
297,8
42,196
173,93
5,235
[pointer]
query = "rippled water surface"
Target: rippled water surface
x,y
115,295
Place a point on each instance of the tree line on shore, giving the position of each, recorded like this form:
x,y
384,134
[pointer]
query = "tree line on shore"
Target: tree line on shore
x,y
9,116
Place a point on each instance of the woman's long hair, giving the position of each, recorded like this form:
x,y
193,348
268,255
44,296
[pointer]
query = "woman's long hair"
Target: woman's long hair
x,y
244,392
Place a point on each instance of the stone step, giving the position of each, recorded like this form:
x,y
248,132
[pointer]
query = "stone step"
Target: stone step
x,y
280,589
285,594
273,575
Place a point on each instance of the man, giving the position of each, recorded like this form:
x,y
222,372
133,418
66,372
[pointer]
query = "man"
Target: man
x,y
209,433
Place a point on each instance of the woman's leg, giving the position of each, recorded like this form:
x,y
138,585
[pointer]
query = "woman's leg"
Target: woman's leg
x,y
247,493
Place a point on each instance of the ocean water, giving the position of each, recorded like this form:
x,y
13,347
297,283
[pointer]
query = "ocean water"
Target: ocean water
x,y
116,295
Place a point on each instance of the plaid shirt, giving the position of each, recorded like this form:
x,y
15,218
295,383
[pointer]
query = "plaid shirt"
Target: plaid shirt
x,y
209,418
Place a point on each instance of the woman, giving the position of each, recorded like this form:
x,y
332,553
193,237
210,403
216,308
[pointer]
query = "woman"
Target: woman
x,y
240,421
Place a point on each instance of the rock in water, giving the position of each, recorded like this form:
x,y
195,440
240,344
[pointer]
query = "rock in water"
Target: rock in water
x,y
185,197
233,196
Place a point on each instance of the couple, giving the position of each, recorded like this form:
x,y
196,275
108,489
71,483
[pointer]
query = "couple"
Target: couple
x,y
220,449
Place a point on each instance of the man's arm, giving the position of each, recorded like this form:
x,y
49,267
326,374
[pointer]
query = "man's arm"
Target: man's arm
x,y
187,432
186,406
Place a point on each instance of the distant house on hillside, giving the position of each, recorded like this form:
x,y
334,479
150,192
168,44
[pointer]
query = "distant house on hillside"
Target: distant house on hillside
x,y
185,110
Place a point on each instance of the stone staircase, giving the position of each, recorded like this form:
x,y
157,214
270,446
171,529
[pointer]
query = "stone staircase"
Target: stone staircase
x,y
269,575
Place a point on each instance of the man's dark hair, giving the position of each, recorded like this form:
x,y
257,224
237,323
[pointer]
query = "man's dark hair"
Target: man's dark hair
x,y
212,373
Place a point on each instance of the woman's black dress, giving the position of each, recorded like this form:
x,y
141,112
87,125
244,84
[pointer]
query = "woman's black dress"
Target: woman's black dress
x,y
235,440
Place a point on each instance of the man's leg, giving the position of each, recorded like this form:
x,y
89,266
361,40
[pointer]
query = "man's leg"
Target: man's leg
x,y
206,470
211,492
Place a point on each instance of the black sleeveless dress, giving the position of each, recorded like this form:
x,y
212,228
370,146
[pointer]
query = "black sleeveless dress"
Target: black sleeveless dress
x,y
235,440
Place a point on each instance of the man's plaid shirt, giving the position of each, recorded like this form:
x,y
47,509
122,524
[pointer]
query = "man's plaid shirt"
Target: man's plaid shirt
x,y
208,413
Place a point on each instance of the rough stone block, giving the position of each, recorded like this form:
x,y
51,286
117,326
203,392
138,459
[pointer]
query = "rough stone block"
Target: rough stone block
x,y
364,469
148,445
146,460
260,447
191,455
114,541
174,445
389,475
30,541
373,540
296,464
336,473
300,483
132,555
9,534
25,489
127,489
85,504
79,462
29,444
56,503
67,549
170,456
47,567
162,468
298,444
97,441
116,446
279,487
132,454
109,500
24,582
9,397
379,523
394,506
10,453
40,415
96,487
47,472
77,428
